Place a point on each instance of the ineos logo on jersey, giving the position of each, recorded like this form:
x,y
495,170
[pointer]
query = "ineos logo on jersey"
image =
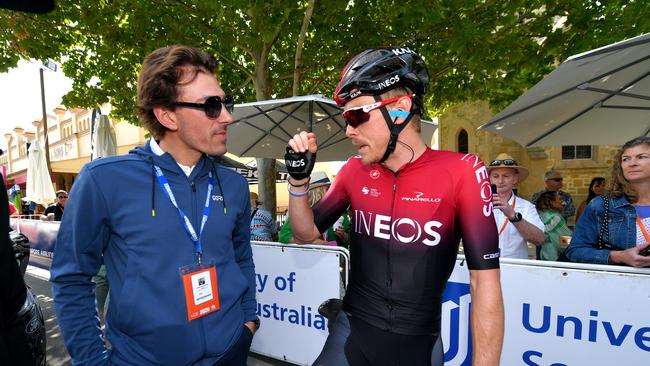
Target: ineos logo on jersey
x,y
217,197
374,174
482,179
388,82
405,230
418,198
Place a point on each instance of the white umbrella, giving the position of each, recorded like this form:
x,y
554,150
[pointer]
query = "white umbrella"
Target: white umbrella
x,y
39,185
601,97
104,140
262,129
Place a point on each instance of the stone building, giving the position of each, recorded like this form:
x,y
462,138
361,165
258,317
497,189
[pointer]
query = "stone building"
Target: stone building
x,y
578,164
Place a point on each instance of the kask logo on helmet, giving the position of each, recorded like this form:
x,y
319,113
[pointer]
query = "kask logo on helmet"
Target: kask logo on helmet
x,y
401,51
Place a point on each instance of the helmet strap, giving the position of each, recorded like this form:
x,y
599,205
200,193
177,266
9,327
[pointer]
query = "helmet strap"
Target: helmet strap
x,y
395,129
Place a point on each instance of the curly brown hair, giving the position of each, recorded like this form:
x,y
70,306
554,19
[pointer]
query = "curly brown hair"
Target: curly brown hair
x,y
160,76
618,184
545,201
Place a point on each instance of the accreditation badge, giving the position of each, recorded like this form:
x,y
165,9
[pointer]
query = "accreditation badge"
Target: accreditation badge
x,y
201,289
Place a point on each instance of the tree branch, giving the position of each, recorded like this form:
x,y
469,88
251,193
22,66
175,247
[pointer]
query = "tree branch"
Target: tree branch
x,y
301,41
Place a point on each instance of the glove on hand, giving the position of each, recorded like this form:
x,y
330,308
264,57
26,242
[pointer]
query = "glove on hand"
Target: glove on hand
x,y
299,165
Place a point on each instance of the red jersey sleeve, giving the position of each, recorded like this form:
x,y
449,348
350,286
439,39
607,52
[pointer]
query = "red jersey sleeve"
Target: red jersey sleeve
x,y
474,214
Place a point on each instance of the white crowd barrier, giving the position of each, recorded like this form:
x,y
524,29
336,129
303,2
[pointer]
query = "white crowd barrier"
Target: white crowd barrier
x,y
557,314
292,281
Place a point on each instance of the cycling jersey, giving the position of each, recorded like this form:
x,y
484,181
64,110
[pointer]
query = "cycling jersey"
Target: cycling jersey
x,y
405,231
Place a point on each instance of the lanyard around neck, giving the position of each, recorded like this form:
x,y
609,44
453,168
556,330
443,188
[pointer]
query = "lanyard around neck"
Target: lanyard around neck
x,y
196,239
644,231
505,223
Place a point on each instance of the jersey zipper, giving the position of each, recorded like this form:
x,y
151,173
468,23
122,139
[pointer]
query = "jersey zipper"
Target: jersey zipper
x,y
389,264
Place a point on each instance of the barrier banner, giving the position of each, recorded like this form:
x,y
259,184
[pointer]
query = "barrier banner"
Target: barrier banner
x,y
558,316
291,284
42,239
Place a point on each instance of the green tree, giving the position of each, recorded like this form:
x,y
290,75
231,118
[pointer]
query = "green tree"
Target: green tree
x,y
475,49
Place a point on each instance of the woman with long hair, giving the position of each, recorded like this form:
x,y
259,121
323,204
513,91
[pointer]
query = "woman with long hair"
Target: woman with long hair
x,y
597,187
623,237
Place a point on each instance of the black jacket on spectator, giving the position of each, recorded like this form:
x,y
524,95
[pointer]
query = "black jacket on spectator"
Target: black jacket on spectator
x,y
56,209
13,349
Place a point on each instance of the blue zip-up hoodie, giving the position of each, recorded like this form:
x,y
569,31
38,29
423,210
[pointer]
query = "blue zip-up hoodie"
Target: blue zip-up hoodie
x,y
108,219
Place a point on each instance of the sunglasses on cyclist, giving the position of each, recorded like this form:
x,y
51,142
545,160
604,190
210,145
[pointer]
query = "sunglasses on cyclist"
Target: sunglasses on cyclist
x,y
356,116
506,162
212,106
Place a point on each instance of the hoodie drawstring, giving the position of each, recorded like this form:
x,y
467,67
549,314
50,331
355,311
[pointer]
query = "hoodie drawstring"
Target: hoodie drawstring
x,y
223,194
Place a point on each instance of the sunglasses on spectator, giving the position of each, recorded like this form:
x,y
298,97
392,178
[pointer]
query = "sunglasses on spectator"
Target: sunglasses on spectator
x,y
556,179
61,197
357,116
506,162
212,106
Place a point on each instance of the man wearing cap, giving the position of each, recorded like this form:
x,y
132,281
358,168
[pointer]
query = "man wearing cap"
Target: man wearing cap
x,y
516,219
410,206
58,208
553,181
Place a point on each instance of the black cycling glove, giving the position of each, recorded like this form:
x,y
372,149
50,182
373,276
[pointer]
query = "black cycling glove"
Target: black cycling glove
x,y
299,165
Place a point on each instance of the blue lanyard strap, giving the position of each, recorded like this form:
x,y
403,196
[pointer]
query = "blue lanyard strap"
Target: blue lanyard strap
x,y
187,224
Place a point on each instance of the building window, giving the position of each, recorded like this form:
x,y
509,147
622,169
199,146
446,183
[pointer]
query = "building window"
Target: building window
x,y
576,152
463,142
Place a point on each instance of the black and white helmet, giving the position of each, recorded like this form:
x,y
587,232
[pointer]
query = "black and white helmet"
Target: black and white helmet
x,y
378,70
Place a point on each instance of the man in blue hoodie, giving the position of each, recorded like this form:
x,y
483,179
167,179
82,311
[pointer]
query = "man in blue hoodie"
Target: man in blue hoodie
x,y
172,228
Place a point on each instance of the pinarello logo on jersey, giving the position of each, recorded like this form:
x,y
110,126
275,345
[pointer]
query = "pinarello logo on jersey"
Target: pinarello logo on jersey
x,y
405,230
420,197
374,174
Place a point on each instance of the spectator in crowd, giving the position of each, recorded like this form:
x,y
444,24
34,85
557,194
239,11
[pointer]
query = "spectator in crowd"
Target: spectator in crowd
x,y
597,187
319,184
57,208
13,340
263,226
172,228
13,211
553,181
549,205
625,209
516,219
412,205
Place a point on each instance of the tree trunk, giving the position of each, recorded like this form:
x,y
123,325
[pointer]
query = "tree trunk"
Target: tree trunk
x,y
266,181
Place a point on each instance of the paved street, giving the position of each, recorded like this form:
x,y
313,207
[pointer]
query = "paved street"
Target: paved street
x,y
56,353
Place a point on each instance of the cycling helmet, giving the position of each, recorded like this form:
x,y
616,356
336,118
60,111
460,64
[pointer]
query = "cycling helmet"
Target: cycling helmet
x,y
378,70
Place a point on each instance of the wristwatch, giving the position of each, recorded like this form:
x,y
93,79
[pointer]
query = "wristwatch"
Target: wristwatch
x,y
517,218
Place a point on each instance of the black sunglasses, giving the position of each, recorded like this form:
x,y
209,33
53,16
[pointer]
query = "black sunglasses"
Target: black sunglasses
x,y
60,197
212,106
556,179
506,162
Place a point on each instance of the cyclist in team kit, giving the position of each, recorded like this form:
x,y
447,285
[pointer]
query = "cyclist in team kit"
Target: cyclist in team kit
x,y
411,206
